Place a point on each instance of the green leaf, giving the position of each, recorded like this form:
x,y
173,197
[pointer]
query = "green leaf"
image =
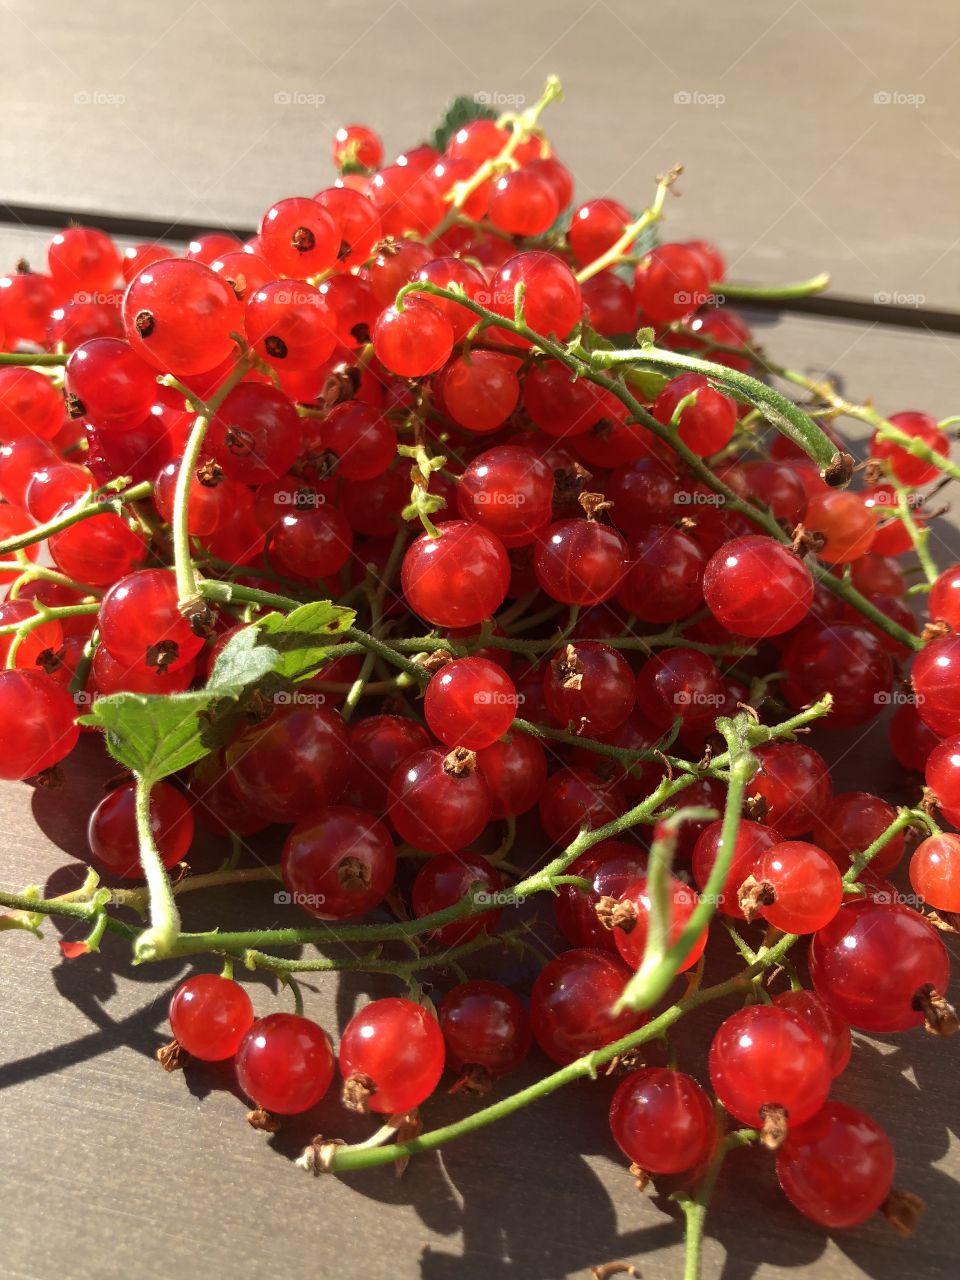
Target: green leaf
x,y
460,112
156,735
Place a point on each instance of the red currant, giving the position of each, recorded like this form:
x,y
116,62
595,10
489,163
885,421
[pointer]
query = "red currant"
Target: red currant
x,y
458,578
662,1120
438,802
572,1001
340,864
209,1016
285,1063
935,871
837,1167
484,1025
112,829
766,1056
396,1049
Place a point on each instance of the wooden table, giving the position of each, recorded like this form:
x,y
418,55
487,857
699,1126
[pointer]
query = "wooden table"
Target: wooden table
x,y
109,1167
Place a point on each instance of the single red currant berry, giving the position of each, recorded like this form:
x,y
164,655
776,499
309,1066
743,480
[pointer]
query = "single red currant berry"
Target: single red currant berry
x,y
209,1016
141,624
448,273
943,601
285,1063
571,1006
765,1056
515,771
608,304
509,491
752,841
935,871
791,789
179,316
484,1025
664,580
936,683
846,661
610,867
112,829
662,1120
757,587
458,578
83,260
38,647
911,741
448,879
581,561
557,405
804,884
480,391
290,324
298,238
30,405
470,703
907,468
831,1028
26,300
589,686
138,256
523,203
576,798
37,723
704,425
874,962
633,915
412,342
551,294
379,745
438,802
362,440
595,227
850,823
671,282
679,682
844,522
836,1168
340,864
391,1057
358,225
356,145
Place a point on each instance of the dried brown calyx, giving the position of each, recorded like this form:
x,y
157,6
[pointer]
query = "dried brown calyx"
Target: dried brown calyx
x,y
593,504
753,895
570,668
614,914
358,1089
773,1131
262,1120
939,1015
460,762
353,874
839,470
172,1056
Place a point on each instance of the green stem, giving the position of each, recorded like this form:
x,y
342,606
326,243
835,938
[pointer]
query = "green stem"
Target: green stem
x,y
158,941
95,505
695,1207
795,289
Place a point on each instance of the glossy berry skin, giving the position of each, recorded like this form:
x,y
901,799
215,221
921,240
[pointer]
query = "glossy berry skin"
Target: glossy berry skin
x,y
357,222
480,392
559,406
447,879
378,745
178,315
670,283
766,1055
457,579
662,1120
679,682
590,686
470,703
847,526
571,1002
910,470
340,864
292,764
581,562
943,602
911,741
141,625
515,771
608,304
38,645
847,661
757,587
399,1046
435,808
752,842
936,683
869,962
26,300
446,272
83,260
298,238
290,324
112,829
285,1064
576,798
935,871
664,578
704,426
850,823
509,491
831,1028
37,728
209,1016
837,1168
610,866
256,434
632,942
522,203
363,440
595,227
413,342
793,784
110,380
355,144
551,302
806,886
29,405
484,1025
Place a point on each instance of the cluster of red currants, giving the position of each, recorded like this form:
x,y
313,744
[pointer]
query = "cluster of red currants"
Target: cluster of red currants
x,y
288,405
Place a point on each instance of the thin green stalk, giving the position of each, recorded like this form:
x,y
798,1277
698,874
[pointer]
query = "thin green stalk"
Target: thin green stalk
x,y
95,505
158,941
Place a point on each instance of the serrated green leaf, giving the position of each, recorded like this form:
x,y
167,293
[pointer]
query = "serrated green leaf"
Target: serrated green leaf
x,y
156,734
460,112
